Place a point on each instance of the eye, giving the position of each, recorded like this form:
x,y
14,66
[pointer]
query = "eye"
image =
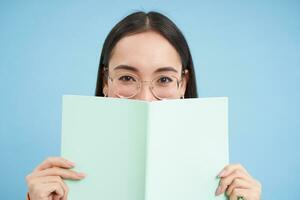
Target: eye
x,y
165,80
126,78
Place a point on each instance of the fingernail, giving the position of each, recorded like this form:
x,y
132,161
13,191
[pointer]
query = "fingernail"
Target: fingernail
x,y
222,173
81,175
71,163
218,191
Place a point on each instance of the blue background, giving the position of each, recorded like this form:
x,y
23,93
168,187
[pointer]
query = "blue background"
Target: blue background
x,y
248,51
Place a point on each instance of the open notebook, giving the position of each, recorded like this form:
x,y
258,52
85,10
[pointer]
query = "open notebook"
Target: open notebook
x,y
138,150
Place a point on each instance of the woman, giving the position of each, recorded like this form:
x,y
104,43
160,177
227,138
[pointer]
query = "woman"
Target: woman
x,y
145,56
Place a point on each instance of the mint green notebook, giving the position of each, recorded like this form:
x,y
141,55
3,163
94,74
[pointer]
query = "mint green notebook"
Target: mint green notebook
x,y
138,150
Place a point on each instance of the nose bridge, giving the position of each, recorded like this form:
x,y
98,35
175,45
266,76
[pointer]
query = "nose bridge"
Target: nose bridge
x,y
148,83
145,92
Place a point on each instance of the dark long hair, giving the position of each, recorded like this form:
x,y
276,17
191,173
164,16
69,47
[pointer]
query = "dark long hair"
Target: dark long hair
x,y
141,22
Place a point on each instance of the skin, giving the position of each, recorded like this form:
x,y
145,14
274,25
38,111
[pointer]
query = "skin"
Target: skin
x,y
145,52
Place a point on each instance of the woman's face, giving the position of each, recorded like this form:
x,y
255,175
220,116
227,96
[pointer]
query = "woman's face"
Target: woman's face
x,y
142,58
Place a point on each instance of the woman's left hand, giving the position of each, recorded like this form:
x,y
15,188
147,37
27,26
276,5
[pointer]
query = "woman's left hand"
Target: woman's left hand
x,y
237,182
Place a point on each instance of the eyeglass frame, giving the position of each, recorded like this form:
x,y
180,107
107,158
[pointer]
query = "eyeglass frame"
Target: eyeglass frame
x,y
141,82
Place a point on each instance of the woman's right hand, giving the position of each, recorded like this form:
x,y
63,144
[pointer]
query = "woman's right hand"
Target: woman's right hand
x,y
46,180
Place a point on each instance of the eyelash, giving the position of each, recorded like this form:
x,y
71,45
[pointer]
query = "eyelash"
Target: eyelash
x,y
162,80
125,78
168,80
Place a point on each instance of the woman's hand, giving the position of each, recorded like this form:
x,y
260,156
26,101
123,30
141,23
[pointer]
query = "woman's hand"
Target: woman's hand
x,y
46,181
237,182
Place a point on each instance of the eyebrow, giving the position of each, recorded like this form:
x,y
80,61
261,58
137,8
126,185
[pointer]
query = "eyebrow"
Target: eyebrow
x,y
131,68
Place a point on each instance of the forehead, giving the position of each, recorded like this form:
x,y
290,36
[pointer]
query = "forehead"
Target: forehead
x,y
146,51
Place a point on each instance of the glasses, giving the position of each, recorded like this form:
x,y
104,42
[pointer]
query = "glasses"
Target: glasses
x,y
127,85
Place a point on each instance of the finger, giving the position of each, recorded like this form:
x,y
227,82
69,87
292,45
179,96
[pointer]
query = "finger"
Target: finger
x,y
55,189
226,181
65,190
54,162
237,192
238,183
51,179
46,179
230,168
63,173
42,191
56,197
